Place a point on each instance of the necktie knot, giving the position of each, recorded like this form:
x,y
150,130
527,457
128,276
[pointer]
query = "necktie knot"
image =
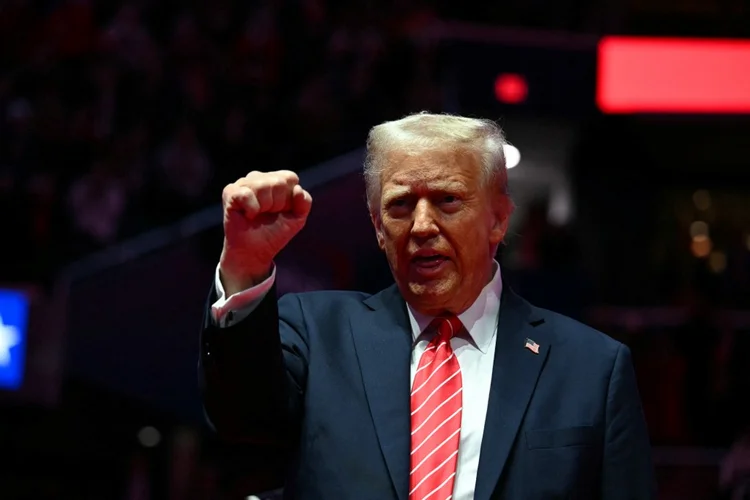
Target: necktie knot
x,y
448,327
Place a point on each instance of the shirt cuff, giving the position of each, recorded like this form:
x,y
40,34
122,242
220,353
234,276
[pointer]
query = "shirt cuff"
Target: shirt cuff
x,y
228,311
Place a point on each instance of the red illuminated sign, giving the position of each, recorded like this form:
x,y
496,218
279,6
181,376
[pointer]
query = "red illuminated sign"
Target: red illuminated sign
x,y
671,75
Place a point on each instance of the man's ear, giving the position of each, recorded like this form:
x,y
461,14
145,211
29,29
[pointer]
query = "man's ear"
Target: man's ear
x,y
377,223
502,208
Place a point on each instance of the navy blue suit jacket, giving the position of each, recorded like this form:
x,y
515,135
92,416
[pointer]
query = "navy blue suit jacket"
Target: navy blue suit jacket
x,y
326,374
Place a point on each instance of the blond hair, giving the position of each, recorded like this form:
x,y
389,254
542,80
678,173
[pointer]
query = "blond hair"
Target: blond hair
x,y
418,132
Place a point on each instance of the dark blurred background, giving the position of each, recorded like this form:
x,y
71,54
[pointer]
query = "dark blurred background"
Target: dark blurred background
x,y
120,122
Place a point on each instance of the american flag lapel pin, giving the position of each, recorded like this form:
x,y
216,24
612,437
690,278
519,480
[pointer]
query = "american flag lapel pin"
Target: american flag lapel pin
x,y
532,346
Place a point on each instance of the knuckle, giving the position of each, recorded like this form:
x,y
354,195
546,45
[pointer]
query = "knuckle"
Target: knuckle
x,y
243,192
268,180
278,183
287,176
228,192
235,192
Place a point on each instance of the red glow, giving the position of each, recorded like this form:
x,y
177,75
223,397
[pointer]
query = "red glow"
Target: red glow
x,y
511,88
671,75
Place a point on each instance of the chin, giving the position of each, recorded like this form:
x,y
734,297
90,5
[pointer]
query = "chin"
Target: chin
x,y
433,289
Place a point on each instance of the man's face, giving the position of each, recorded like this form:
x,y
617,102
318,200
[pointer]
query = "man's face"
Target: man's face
x,y
439,226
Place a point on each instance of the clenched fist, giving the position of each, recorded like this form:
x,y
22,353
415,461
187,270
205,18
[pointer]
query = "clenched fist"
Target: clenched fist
x,y
262,213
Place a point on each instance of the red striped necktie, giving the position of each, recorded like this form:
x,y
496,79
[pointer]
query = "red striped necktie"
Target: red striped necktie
x,y
436,401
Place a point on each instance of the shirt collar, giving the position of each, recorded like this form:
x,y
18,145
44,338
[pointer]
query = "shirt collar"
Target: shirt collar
x,y
480,319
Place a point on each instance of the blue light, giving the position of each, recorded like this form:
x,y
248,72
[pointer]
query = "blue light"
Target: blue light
x,y
14,307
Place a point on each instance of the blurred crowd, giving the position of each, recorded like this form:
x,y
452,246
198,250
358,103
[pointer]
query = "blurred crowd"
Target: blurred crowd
x,y
118,116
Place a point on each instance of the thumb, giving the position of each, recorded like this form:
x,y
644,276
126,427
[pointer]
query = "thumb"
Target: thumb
x,y
301,201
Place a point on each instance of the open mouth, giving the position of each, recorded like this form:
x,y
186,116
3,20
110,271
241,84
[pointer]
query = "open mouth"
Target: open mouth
x,y
429,261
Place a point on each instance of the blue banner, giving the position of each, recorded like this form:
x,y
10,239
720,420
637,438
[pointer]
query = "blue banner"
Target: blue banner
x,y
14,307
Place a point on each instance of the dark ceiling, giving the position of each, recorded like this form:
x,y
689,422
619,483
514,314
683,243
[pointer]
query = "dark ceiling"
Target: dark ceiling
x,y
714,18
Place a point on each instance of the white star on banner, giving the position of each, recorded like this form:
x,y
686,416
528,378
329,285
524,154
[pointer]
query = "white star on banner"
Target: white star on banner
x,y
9,337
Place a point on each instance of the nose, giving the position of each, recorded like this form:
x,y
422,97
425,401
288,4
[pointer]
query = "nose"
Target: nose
x,y
424,220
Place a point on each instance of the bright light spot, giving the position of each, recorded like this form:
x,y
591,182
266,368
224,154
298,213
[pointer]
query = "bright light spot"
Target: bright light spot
x,y
698,228
9,337
702,199
149,437
560,206
717,261
512,156
511,88
701,246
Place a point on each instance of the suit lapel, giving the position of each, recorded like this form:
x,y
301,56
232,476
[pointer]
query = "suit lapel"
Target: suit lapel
x,y
383,341
514,378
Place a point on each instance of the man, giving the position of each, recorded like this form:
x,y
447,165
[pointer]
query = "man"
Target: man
x,y
445,385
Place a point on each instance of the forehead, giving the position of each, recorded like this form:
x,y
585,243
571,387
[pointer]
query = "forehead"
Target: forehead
x,y
428,168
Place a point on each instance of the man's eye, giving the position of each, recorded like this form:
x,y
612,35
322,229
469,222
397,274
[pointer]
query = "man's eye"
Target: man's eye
x,y
450,199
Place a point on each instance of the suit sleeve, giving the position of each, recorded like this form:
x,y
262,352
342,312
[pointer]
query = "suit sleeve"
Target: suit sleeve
x,y
627,467
253,373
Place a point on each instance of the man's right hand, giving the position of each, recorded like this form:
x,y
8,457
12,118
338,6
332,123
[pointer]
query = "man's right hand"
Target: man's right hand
x,y
262,213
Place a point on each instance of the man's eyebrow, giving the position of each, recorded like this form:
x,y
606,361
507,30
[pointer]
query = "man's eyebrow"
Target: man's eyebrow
x,y
395,192
439,187
450,186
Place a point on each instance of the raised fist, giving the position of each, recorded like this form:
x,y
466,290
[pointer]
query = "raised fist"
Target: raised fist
x,y
262,213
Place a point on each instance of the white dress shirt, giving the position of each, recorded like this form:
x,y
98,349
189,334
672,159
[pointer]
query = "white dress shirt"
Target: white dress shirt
x,y
475,355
